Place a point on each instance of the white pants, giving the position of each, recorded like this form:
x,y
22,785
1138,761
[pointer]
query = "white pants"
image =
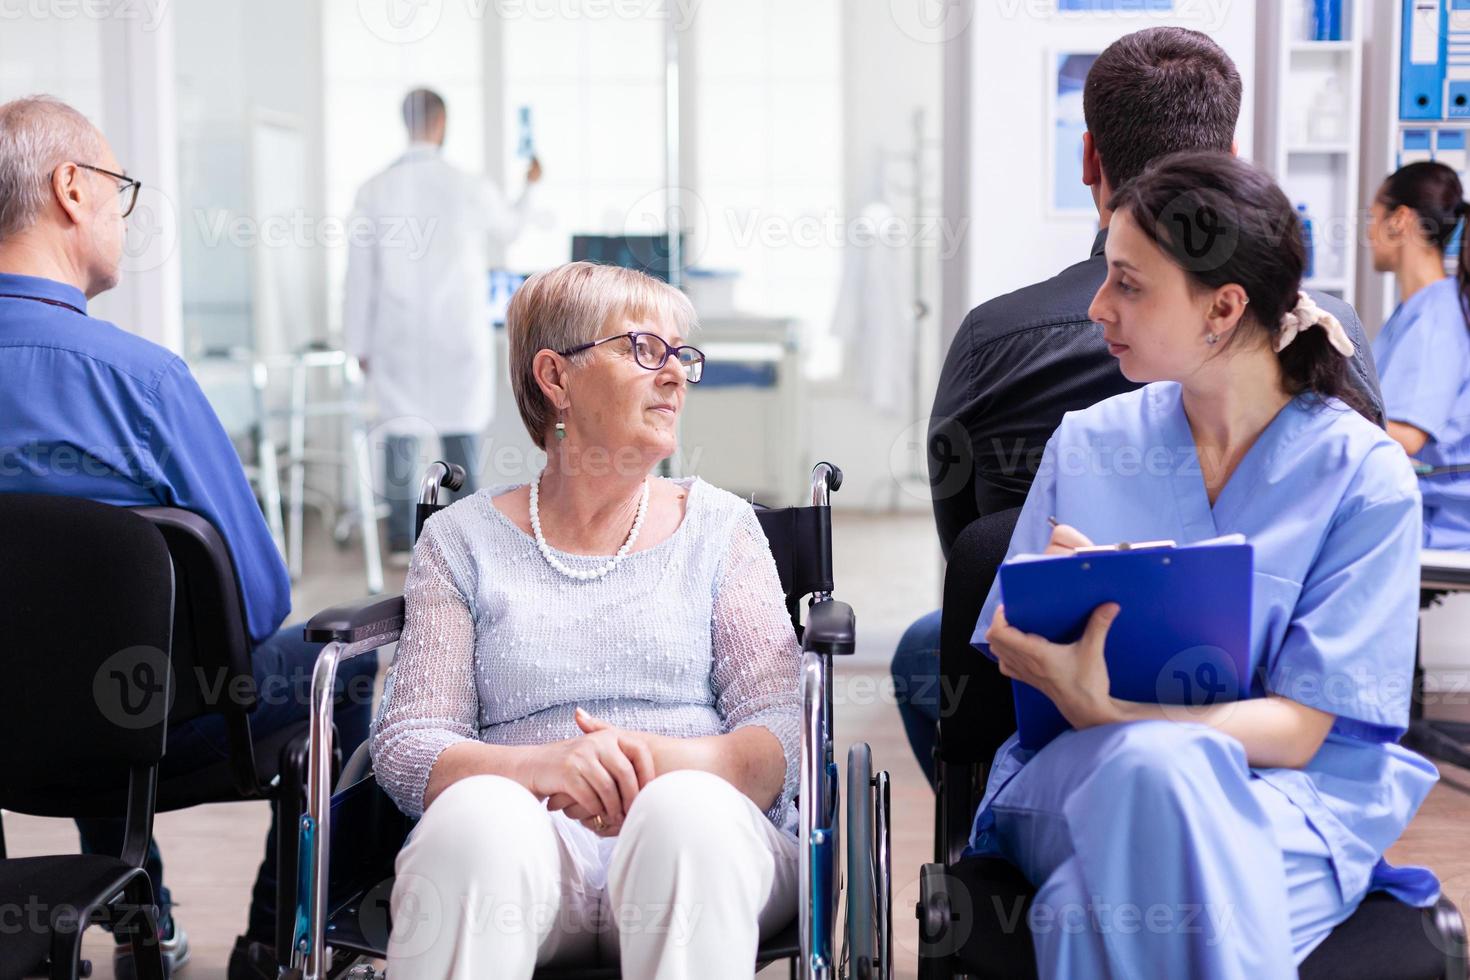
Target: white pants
x,y
492,884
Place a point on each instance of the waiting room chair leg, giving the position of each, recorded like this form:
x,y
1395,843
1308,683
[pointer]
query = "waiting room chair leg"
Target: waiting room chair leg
x,y
66,943
139,923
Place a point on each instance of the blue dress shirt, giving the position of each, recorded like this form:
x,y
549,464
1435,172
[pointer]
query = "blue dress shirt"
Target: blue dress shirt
x,y
89,410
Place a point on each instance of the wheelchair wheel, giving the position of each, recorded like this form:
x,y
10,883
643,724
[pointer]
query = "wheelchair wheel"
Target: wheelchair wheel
x,y
862,903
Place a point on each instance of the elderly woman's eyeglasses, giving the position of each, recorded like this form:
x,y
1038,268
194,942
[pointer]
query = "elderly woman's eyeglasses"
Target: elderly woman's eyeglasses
x,y
128,189
652,352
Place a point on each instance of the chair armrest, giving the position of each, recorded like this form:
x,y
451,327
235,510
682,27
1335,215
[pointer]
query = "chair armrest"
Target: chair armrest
x,y
354,622
831,628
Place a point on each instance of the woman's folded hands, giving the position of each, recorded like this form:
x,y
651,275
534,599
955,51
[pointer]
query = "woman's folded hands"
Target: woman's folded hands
x,y
594,777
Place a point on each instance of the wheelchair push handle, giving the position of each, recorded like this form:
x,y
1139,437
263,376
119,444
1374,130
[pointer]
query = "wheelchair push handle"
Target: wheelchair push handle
x,y
826,480
448,476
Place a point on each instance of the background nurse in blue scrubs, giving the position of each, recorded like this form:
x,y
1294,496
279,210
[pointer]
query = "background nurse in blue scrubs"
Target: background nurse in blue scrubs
x,y
1423,352
1224,841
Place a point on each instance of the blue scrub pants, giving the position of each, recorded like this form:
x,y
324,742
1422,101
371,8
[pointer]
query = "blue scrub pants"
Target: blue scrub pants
x,y
282,667
1157,853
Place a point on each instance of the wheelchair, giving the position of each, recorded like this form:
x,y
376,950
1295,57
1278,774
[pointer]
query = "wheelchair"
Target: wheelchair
x,y
967,904
349,838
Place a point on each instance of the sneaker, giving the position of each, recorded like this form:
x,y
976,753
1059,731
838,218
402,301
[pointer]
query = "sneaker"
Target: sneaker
x,y
251,960
175,949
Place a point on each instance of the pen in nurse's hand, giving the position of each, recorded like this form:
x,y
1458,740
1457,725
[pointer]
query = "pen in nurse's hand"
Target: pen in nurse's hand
x,y
1054,522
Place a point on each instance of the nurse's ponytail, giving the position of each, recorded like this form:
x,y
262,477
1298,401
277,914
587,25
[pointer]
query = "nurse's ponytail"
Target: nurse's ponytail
x,y
1433,192
1222,221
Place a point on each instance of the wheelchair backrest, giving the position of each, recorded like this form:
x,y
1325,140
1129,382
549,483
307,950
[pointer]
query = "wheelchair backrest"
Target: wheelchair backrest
x,y
801,543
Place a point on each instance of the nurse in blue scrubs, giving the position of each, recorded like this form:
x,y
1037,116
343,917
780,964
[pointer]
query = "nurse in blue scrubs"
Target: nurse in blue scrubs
x,y
1224,841
1423,352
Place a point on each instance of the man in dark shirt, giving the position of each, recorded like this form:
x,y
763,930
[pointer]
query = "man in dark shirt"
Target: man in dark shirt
x,y
1021,361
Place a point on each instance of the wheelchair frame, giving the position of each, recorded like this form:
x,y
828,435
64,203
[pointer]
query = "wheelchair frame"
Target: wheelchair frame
x,y
830,630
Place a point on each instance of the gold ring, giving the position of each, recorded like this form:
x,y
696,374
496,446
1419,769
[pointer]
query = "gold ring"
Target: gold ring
x,y
597,819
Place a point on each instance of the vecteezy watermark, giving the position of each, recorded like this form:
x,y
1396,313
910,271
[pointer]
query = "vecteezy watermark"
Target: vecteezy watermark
x,y
35,916
404,446
1205,15
409,234
1212,921
64,459
152,232
410,21
1198,683
149,12
664,208
749,227
414,912
942,694
939,21
933,21
400,21
133,688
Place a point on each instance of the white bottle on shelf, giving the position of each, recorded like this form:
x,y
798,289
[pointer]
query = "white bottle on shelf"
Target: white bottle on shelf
x,y
1328,117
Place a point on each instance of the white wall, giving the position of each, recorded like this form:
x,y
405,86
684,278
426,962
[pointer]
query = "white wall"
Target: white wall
x,y
237,64
114,63
891,67
1013,239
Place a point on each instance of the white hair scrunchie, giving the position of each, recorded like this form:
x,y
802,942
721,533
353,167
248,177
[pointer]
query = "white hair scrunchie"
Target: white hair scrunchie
x,y
1308,314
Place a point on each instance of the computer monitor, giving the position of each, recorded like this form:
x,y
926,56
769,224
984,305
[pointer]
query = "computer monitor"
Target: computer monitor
x,y
646,253
503,284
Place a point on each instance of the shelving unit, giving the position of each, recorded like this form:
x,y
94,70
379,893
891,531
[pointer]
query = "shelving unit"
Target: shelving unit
x,y
1313,153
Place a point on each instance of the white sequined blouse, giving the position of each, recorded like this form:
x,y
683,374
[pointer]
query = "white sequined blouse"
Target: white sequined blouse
x,y
687,638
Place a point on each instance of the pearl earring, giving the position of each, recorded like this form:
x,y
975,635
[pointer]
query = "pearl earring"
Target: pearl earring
x,y
1212,339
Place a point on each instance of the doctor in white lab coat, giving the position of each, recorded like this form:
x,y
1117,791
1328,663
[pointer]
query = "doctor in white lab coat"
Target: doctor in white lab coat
x,y
416,310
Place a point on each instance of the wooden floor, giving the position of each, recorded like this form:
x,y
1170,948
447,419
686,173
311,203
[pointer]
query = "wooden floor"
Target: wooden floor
x,y
211,852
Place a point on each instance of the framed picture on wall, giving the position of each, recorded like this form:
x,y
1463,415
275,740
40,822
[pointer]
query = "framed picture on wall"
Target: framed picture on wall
x,y
1066,74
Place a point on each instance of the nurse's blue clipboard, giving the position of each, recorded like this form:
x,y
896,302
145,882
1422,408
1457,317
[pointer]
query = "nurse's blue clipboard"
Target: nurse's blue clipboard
x,y
1182,636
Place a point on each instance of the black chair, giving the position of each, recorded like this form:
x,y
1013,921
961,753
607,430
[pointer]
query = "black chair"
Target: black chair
x,y
351,837
85,624
212,676
967,906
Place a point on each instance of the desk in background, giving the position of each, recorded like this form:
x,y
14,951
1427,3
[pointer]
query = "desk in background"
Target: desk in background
x,y
1447,741
744,425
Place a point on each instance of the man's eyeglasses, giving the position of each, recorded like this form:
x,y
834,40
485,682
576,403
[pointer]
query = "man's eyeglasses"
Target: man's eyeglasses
x,y
652,352
128,189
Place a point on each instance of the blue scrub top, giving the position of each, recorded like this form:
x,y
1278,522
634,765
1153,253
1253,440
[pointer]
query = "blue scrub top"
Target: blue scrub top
x,y
1330,505
1423,356
89,410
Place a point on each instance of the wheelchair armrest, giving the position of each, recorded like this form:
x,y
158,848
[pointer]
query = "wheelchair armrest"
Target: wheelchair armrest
x,y
353,622
831,628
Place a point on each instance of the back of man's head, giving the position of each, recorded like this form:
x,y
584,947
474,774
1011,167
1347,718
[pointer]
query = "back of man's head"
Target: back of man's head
x,y
37,134
424,114
1156,92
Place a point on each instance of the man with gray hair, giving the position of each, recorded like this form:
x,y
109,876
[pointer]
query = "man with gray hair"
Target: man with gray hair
x,y
90,410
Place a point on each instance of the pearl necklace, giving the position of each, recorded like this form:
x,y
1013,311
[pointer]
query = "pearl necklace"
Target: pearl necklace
x,y
600,570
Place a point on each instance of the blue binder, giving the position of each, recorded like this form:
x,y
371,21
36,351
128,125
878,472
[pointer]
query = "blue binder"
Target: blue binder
x,y
1182,635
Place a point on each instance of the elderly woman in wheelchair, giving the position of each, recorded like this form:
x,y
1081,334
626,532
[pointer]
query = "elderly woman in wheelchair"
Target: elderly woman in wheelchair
x,y
595,702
